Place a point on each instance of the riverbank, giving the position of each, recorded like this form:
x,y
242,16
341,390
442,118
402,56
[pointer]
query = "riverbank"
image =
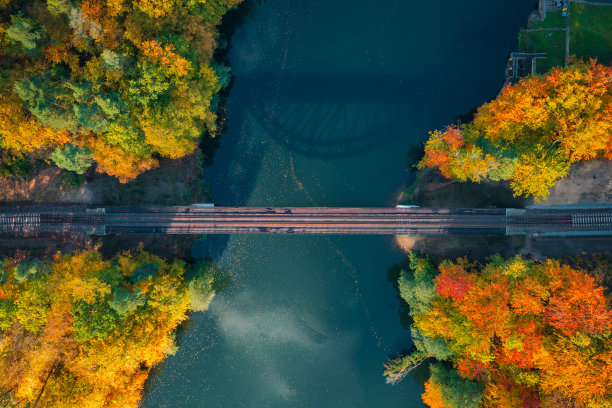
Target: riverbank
x,y
585,27
586,183
175,182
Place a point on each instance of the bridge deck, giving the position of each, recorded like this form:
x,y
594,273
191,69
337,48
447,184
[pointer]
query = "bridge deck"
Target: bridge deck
x,y
317,220
304,220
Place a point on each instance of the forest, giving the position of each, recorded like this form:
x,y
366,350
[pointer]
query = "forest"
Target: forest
x,y
510,333
112,84
119,86
532,132
81,330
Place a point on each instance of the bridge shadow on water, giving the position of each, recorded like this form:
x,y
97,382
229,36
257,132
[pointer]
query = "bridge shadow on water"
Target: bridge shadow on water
x,y
318,115
333,115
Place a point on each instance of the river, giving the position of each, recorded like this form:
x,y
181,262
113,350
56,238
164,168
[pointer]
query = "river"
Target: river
x,y
328,97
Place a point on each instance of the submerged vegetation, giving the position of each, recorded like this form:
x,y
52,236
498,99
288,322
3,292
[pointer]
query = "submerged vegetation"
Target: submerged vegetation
x,y
115,83
79,330
532,132
507,334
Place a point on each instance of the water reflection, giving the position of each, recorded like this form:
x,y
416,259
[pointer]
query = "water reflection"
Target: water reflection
x,y
331,116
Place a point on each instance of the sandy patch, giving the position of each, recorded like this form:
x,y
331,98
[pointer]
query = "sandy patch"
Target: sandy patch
x,y
587,183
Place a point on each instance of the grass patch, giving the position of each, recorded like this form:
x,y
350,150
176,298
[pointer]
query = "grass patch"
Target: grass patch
x,y
550,42
553,20
591,32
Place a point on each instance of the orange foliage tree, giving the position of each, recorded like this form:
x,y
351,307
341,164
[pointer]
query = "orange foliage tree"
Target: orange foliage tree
x,y
21,132
433,395
449,152
533,334
532,132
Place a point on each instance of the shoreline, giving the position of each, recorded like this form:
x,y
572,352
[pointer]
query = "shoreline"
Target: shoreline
x,y
588,182
174,182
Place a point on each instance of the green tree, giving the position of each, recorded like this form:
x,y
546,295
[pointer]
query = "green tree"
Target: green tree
x,y
30,269
205,279
72,158
125,301
24,31
7,313
49,103
93,320
457,392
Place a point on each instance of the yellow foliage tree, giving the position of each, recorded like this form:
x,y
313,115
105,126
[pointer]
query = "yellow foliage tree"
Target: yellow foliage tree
x,y
432,395
22,132
80,330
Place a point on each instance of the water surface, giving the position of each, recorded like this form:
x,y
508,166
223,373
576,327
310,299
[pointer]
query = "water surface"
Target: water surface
x,y
327,99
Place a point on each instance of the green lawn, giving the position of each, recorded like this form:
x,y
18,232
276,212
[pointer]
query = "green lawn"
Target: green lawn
x,y
553,20
591,32
550,42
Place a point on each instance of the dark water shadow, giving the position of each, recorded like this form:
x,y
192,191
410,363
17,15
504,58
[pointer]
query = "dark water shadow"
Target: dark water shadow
x,y
234,19
265,106
318,115
333,115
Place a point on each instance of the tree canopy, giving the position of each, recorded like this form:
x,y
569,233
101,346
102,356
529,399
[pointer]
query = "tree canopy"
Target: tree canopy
x,y
511,333
78,330
129,81
532,132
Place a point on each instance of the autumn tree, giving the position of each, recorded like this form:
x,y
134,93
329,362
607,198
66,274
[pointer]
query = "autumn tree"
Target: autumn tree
x,y
79,330
532,132
531,334
446,388
129,81
456,158
20,132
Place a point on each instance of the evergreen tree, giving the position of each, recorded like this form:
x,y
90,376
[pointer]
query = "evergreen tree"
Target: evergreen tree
x,y
72,158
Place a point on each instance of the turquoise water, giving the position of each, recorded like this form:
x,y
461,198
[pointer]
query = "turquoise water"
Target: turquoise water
x,y
328,97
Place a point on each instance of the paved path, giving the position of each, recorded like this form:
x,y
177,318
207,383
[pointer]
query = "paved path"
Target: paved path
x,y
531,30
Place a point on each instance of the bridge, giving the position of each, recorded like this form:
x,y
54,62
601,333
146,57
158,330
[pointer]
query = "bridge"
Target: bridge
x,y
29,219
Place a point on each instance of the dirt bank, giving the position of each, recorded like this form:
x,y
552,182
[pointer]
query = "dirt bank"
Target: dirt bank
x,y
587,183
175,182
